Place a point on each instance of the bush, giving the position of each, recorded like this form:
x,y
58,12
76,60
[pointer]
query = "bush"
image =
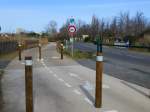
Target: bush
x,y
1,73
87,39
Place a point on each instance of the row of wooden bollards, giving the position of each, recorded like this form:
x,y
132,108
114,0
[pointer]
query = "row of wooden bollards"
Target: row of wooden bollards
x,y
29,83
29,76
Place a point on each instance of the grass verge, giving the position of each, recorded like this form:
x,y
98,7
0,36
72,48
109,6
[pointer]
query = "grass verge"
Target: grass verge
x,y
8,56
79,54
1,73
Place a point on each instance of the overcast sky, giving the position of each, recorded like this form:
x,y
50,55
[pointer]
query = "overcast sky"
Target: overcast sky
x,y
35,14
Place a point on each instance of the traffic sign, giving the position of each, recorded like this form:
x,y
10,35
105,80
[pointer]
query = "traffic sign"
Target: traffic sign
x,y
72,29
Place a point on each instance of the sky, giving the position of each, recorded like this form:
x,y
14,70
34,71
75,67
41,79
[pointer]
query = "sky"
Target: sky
x,y
34,15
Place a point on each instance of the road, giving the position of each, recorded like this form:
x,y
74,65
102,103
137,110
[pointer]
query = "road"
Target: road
x,y
65,86
121,63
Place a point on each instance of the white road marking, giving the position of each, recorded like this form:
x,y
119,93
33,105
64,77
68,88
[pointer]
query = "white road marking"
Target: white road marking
x,y
74,75
88,101
77,92
54,57
61,80
23,63
88,86
55,76
68,85
50,71
112,111
105,86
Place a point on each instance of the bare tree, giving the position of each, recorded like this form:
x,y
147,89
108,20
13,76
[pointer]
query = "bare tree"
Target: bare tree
x,y
51,28
94,27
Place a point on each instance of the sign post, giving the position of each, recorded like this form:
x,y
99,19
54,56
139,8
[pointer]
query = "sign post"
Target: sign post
x,y
28,84
72,30
99,72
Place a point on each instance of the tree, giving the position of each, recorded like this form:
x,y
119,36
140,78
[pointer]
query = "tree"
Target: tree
x,y
95,26
51,28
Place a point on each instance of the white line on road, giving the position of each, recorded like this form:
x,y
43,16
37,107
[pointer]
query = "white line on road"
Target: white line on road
x,y
112,111
68,85
42,59
74,75
88,101
105,86
55,76
23,63
50,71
77,92
54,57
60,79
88,86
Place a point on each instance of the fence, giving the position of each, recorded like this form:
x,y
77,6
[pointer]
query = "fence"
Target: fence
x,y
8,46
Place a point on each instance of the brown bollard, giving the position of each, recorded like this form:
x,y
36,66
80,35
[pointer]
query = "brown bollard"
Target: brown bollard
x,y
99,72
40,56
19,48
62,47
28,84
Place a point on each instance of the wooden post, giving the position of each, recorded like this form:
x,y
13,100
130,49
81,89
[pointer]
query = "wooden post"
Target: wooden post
x,y
62,47
19,48
99,72
40,52
28,84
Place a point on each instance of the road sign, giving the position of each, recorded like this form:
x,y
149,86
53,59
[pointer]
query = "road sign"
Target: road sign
x,y
72,21
72,29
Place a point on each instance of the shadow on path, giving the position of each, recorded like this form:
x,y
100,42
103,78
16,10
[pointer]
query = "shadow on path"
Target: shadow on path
x,y
89,96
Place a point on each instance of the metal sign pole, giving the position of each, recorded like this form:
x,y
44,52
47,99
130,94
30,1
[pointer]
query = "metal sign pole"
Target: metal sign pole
x,y
72,45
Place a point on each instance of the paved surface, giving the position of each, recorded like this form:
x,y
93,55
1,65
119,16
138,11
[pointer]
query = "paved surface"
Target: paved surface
x,y
121,63
66,86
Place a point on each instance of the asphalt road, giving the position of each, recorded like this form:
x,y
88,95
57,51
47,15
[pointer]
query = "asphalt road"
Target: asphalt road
x,y
121,63
65,86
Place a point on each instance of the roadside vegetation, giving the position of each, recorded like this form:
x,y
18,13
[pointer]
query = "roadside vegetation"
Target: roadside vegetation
x,y
79,54
1,73
8,56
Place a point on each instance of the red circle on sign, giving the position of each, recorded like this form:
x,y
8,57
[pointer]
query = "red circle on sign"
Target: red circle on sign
x,y
72,29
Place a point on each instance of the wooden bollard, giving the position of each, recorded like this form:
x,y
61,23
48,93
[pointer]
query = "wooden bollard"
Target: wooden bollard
x,y
99,72
28,84
20,50
40,54
62,47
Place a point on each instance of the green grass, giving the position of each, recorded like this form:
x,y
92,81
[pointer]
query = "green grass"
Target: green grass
x,y
144,51
1,73
9,56
79,54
